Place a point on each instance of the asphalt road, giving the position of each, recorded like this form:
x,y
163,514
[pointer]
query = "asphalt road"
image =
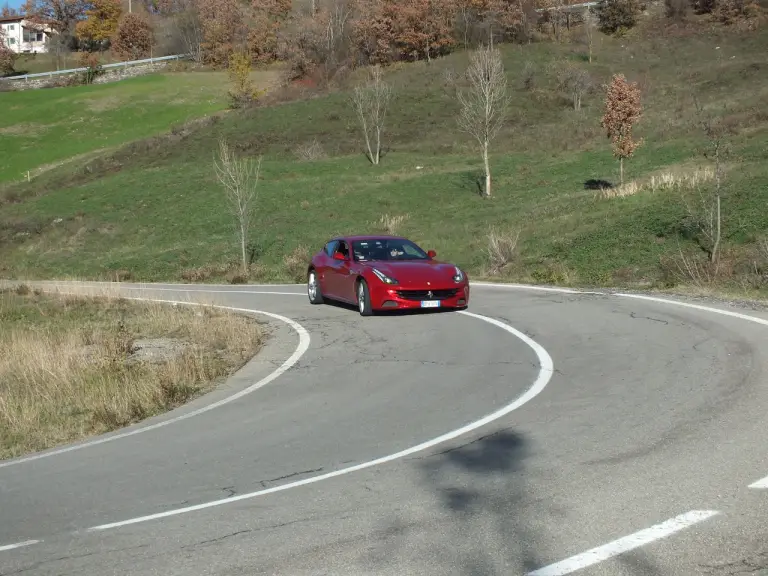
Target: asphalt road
x,y
368,453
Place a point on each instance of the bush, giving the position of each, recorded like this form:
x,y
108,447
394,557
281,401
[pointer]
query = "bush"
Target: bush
x,y
617,15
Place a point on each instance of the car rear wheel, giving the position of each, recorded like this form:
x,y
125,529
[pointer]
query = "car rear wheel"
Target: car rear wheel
x,y
313,288
364,299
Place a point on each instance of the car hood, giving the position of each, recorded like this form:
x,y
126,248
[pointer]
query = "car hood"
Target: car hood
x,y
415,272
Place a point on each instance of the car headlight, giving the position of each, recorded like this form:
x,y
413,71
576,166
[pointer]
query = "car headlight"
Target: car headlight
x,y
458,275
383,277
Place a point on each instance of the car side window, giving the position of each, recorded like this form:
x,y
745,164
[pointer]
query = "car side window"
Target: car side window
x,y
330,248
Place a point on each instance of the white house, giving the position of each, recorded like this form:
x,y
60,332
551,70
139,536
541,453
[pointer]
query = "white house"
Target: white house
x,y
22,36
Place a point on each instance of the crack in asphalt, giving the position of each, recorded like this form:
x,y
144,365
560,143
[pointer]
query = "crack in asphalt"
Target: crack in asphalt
x,y
758,565
229,491
72,557
219,539
634,316
264,483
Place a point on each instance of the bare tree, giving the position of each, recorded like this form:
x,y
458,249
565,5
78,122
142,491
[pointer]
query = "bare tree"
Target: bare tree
x,y
239,177
710,214
371,101
484,105
190,32
574,81
589,30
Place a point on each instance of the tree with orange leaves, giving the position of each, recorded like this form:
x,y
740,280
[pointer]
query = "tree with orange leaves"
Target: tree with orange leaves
x,y
224,27
422,27
134,38
269,18
101,23
622,111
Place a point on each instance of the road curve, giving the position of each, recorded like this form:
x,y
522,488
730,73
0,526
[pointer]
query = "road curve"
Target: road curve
x,y
428,444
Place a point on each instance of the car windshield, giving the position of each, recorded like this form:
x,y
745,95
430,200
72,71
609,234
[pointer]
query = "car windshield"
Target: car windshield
x,y
387,249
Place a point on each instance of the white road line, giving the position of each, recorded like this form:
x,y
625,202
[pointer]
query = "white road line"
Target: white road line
x,y
546,368
636,540
18,545
193,291
303,346
760,484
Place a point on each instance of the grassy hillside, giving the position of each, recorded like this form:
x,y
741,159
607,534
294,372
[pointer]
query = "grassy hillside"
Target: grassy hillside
x,y
40,128
154,210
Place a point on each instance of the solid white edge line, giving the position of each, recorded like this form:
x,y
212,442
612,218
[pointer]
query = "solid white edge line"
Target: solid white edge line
x,y
18,545
546,369
760,484
625,544
303,346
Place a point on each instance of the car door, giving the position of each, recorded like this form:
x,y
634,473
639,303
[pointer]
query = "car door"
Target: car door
x,y
325,270
346,274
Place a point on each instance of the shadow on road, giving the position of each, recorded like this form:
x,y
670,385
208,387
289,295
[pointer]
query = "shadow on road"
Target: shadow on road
x,y
384,313
481,526
490,520
482,485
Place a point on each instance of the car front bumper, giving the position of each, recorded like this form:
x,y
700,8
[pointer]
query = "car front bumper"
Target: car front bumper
x,y
424,297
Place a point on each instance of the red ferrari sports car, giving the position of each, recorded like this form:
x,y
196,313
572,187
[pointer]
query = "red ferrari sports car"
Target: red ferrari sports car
x,y
384,273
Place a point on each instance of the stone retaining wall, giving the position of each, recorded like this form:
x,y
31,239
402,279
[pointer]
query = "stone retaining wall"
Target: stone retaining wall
x,y
108,75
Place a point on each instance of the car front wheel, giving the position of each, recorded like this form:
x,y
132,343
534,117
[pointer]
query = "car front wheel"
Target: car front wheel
x,y
313,288
364,299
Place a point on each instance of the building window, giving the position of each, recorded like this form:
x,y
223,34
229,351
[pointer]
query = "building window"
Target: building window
x,y
12,27
32,35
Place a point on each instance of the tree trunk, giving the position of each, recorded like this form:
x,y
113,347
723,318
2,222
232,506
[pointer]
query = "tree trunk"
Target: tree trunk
x,y
621,171
717,232
242,248
487,191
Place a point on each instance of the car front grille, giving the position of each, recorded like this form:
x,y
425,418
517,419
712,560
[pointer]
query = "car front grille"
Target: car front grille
x,y
425,294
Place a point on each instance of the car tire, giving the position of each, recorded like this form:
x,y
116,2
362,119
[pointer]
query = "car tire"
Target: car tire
x,y
363,299
314,292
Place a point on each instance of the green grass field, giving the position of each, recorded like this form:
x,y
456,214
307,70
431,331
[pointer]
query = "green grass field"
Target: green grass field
x,y
42,128
153,210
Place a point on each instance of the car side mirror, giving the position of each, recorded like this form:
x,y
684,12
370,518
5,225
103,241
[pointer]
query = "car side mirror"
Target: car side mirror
x,y
431,253
338,256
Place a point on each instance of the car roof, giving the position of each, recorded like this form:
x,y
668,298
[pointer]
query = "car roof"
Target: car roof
x,y
366,237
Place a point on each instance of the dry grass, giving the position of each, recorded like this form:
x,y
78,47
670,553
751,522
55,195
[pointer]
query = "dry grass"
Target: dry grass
x,y
502,250
295,263
391,224
76,366
665,181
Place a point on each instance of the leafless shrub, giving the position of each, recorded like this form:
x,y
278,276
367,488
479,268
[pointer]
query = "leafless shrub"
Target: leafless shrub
x,y
239,177
391,224
529,76
310,151
484,105
501,250
371,101
574,81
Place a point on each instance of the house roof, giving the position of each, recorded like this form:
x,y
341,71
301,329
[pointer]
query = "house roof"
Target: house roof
x,y
11,19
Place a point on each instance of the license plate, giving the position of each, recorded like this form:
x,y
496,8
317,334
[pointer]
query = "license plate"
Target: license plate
x,y
430,303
